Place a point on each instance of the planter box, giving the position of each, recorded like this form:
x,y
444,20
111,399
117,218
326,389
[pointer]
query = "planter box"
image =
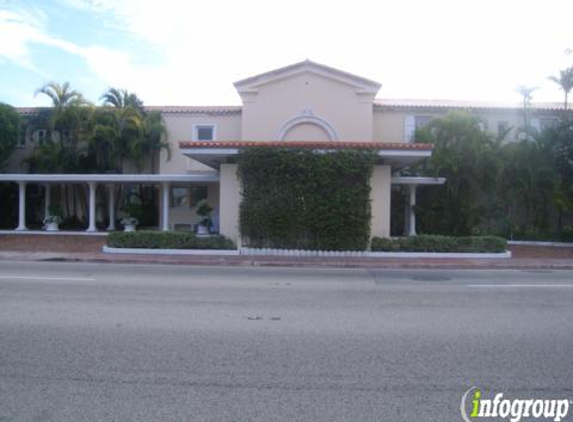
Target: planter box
x,y
129,228
52,227
142,251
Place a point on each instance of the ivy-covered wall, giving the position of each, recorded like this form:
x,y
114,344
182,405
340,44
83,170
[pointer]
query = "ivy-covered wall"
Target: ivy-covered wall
x,y
298,199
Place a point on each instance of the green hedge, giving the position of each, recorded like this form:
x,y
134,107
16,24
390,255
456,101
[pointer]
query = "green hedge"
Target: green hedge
x,y
437,243
297,199
167,240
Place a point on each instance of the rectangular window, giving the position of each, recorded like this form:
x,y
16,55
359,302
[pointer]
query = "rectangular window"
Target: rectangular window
x,y
204,132
179,196
22,138
65,137
41,136
422,121
198,193
547,123
502,127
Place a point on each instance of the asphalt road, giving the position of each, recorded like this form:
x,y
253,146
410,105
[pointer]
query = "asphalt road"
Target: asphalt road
x,y
89,342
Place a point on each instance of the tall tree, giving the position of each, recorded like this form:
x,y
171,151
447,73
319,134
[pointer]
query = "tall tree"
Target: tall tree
x,y
68,123
466,155
121,98
9,132
565,82
132,132
62,95
525,93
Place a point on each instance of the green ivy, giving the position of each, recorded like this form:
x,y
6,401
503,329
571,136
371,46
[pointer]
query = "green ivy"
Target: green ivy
x,y
298,199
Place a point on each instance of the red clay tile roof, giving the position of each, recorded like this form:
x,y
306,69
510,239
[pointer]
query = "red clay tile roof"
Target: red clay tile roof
x,y
211,110
196,109
391,103
308,144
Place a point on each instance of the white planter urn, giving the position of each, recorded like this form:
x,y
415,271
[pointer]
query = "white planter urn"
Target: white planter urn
x,y
202,230
129,228
52,227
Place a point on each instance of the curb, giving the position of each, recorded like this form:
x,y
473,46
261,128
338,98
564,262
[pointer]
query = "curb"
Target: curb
x,y
535,243
309,262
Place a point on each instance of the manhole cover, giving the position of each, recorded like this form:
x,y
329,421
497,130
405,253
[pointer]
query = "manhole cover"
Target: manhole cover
x,y
431,278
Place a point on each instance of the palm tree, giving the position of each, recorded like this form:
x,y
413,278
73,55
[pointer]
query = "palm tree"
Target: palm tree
x,y
62,95
525,92
121,98
565,82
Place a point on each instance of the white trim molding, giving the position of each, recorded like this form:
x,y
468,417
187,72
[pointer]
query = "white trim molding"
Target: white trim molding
x,y
308,117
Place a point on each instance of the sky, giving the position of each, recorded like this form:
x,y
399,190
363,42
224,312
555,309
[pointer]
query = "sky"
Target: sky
x,y
189,52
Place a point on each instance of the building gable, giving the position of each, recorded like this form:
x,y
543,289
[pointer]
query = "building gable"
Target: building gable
x,y
307,101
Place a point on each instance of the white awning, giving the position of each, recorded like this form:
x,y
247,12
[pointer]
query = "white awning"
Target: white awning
x,y
418,181
112,178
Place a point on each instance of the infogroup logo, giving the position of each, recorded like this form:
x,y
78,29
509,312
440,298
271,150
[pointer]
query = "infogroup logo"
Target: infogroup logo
x,y
513,409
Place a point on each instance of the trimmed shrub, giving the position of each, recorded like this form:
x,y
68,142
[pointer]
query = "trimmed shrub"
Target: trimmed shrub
x,y
437,243
384,244
167,240
298,199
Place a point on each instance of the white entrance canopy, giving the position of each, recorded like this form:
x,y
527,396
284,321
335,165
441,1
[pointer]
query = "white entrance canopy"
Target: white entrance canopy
x,y
397,155
111,178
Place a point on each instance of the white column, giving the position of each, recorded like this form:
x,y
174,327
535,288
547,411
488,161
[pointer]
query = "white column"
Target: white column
x,y
92,207
406,213
22,206
412,211
111,226
380,196
165,187
47,200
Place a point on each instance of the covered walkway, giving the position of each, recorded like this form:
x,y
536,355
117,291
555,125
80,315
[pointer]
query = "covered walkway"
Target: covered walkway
x,y
111,182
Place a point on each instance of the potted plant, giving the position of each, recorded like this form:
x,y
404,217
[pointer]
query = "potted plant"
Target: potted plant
x,y
129,223
53,219
204,211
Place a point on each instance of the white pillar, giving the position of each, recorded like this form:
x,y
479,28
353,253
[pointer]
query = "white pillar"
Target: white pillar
x,y
412,211
92,207
165,187
380,196
229,202
47,200
22,206
407,213
111,226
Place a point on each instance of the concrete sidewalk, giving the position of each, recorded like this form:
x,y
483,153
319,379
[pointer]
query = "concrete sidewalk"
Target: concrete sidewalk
x,y
88,249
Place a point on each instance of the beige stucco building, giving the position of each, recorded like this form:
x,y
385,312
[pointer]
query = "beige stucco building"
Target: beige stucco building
x,y
305,104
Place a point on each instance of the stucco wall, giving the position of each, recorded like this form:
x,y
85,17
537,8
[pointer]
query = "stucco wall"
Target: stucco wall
x,y
390,125
180,128
277,102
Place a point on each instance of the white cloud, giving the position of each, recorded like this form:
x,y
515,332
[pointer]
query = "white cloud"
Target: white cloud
x,y
420,49
25,28
442,48
17,29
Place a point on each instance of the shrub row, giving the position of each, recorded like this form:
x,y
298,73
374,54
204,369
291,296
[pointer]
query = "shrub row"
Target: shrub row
x,y
437,243
167,240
